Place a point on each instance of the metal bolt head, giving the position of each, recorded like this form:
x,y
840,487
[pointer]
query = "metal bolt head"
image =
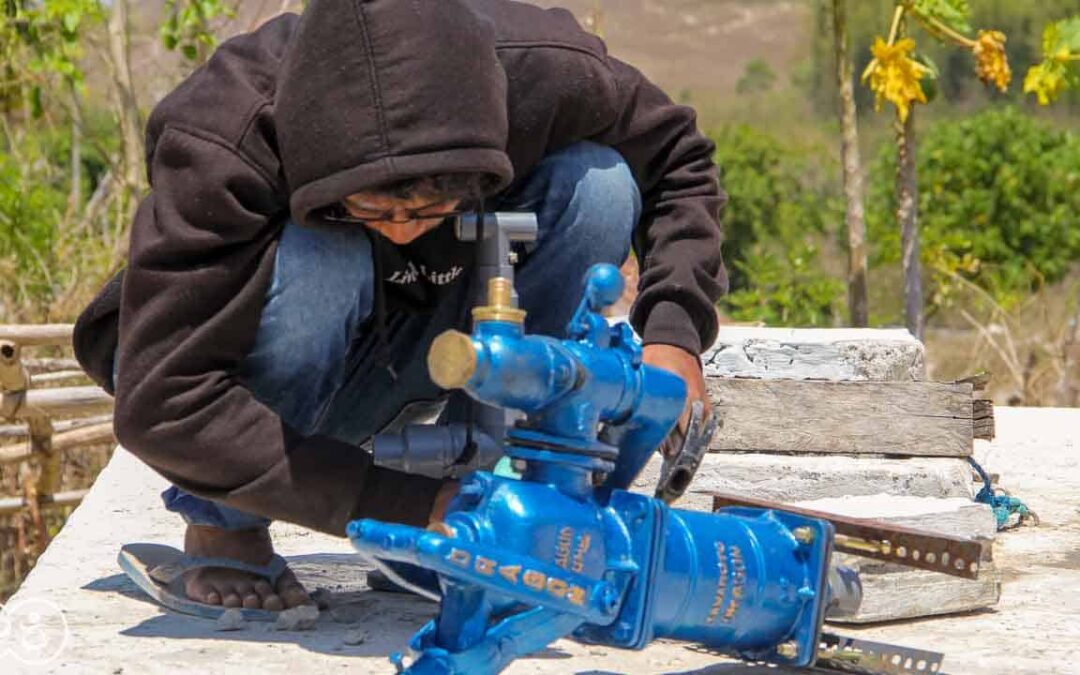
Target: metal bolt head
x,y
788,650
803,535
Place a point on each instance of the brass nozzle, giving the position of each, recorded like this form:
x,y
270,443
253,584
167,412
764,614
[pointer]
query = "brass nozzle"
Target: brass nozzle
x,y
500,303
452,360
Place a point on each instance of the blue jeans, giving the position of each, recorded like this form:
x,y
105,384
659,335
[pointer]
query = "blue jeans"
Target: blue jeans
x,y
312,361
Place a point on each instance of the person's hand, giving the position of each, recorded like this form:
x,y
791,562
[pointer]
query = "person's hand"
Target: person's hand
x,y
688,367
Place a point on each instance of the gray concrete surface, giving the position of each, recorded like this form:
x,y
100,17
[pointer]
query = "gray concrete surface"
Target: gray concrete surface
x,y
106,626
816,353
800,478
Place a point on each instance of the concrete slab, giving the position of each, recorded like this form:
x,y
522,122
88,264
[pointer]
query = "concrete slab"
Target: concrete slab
x,y
816,353
112,629
799,478
957,516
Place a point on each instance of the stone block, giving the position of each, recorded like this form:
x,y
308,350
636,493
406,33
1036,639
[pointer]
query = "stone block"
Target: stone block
x,y
816,353
800,478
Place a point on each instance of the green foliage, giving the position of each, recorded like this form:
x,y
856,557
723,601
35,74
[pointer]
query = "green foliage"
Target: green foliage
x,y
787,287
784,202
187,26
953,13
757,78
40,43
1060,67
44,247
33,196
999,203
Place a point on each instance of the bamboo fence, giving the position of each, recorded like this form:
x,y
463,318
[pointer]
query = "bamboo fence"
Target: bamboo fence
x,y
46,410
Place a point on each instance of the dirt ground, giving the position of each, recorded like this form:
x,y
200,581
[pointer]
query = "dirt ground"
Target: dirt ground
x,y
94,620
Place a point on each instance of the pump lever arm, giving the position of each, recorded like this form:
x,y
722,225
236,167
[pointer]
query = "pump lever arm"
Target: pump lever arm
x,y
519,577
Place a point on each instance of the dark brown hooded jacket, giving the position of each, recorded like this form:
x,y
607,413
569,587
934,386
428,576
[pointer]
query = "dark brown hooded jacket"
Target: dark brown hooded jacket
x,y
306,110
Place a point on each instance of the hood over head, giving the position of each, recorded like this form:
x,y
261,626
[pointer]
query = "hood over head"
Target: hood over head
x,y
378,91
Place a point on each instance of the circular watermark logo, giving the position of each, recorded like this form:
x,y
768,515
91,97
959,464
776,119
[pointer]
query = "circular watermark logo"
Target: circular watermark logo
x,y
33,631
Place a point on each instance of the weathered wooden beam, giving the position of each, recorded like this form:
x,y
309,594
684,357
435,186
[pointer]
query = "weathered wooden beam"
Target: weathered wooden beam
x,y
21,431
50,365
882,418
61,442
11,505
43,335
982,416
64,402
57,376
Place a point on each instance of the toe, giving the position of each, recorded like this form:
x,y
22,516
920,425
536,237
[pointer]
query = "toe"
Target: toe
x,y
291,592
211,598
294,595
232,600
267,597
264,589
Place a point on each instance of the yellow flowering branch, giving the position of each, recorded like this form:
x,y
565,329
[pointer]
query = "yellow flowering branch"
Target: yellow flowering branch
x,y
898,16
941,31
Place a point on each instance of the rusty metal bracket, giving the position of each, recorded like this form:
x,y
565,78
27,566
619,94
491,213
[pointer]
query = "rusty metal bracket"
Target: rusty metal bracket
x,y
955,556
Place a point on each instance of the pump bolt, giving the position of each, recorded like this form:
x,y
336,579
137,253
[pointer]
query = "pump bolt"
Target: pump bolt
x,y
608,599
803,535
788,650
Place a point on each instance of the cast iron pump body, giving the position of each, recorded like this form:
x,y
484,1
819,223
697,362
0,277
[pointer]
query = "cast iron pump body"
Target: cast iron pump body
x,y
566,551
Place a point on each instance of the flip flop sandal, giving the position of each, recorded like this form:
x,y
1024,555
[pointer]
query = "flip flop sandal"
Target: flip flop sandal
x,y
159,571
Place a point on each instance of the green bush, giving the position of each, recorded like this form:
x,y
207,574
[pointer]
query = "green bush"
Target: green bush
x,y
33,196
784,204
43,242
999,205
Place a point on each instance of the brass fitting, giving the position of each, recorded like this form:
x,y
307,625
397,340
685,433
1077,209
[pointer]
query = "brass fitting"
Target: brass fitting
x,y
500,303
451,361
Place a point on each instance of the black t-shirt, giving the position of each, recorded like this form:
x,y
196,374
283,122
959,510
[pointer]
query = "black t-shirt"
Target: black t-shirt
x,y
418,275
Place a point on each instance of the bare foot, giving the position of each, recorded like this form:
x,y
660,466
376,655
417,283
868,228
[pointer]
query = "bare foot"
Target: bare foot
x,y
233,588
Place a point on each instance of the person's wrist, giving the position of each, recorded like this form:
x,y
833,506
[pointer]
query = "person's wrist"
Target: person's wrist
x,y
443,498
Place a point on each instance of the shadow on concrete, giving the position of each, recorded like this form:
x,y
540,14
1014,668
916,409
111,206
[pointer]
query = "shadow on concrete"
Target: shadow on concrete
x,y
384,621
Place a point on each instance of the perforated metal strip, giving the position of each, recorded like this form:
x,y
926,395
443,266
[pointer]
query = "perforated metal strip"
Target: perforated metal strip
x,y
955,556
852,655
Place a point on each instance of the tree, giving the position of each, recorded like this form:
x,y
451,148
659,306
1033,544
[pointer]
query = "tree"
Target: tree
x,y
896,75
855,216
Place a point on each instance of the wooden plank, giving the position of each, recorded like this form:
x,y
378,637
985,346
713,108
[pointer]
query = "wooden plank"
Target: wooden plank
x,y
66,402
50,365
21,430
15,504
56,334
885,418
62,442
982,414
60,376
910,593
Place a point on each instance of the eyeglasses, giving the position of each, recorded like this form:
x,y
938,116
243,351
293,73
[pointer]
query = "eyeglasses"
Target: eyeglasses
x,y
339,214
